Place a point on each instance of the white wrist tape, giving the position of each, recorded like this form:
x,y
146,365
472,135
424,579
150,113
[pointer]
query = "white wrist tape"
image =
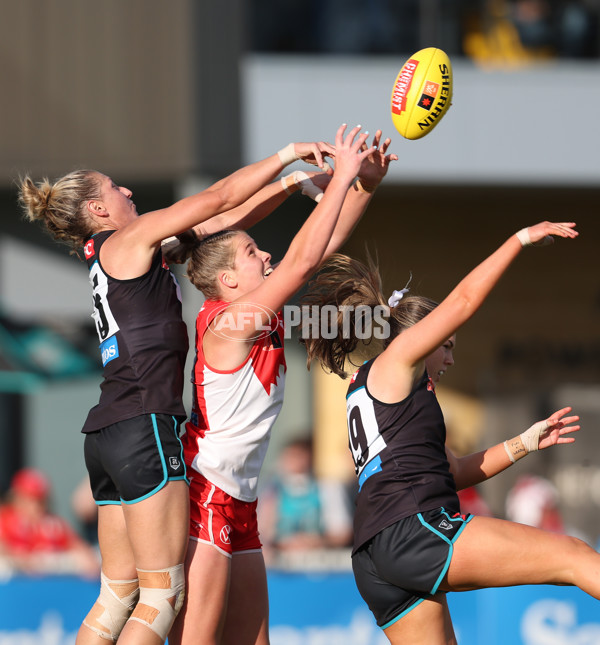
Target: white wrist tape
x,y
508,452
304,183
524,238
288,155
531,437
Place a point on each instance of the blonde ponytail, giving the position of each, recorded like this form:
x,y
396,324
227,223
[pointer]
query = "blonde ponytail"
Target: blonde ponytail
x,y
61,205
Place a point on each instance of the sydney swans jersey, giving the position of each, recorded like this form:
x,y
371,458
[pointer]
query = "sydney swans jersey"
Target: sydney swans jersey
x,y
399,455
233,411
143,341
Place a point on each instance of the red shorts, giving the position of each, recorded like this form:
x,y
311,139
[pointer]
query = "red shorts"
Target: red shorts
x,y
216,518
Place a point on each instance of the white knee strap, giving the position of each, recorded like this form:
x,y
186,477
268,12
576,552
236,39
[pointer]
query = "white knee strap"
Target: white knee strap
x,y
161,596
114,606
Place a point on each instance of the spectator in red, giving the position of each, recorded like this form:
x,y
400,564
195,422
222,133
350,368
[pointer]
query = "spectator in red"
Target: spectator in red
x,y
33,540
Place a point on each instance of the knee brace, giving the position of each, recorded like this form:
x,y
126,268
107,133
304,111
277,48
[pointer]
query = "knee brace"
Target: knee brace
x,y
161,596
114,606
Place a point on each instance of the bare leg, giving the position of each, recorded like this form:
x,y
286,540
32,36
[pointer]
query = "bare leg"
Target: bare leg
x,y
247,621
427,624
201,619
497,553
158,532
151,535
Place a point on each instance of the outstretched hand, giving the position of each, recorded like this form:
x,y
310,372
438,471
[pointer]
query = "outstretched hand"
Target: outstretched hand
x,y
374,167
542,233
350,151
557,426
314,153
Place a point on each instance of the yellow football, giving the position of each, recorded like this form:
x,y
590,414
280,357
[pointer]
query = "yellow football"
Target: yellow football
x,y
422,93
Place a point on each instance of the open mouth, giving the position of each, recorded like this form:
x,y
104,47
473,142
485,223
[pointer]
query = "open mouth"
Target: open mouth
x,y
268,271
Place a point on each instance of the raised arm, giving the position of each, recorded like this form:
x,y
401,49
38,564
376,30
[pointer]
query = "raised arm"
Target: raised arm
x,y
306,249
130,250
477,467
372,171
401,363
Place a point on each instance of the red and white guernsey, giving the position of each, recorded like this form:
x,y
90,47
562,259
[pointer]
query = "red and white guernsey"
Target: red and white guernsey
x,y
233,411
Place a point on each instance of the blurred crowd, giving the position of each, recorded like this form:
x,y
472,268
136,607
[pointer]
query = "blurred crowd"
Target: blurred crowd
x,y
484,30
35,541
301,513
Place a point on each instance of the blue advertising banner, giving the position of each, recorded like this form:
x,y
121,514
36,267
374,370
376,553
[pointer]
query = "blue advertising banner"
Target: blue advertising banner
x,y
322,609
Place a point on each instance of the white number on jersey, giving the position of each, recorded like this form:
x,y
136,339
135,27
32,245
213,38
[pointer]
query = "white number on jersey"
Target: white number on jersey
x,y
363,431
106,325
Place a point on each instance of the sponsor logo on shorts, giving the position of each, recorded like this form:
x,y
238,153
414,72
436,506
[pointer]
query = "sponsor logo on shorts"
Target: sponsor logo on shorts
x,y
109,350
224,534
444,524
174,463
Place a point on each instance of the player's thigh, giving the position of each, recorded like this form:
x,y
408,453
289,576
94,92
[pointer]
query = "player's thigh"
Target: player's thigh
x,y
247,621
496,553
429,623
115,549
158,527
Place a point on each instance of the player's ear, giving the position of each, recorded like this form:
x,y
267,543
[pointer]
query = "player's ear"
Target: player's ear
x,y
96,208
227,279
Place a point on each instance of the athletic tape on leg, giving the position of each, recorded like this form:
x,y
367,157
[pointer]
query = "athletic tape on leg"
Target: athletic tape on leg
x,y
161,596
114,606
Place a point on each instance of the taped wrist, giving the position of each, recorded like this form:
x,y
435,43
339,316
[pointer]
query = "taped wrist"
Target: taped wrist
x,y
531,436
523,236
114,606
289,183
515,449
299,180
364,188
288,155
525,239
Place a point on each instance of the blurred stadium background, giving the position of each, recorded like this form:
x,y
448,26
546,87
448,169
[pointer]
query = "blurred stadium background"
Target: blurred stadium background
x,y
168,97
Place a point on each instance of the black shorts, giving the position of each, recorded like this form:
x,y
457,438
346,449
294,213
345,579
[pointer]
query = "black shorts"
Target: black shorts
x,y
131,460
405,563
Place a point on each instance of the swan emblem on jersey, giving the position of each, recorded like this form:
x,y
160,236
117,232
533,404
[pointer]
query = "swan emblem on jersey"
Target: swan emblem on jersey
x,y
271,369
